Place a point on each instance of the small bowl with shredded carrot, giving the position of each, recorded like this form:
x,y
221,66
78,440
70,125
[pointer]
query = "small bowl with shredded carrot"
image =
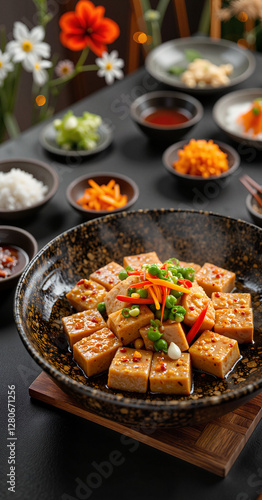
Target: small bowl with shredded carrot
x,y
98,194
196,162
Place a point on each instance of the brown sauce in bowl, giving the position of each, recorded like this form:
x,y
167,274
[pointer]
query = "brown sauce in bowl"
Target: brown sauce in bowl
x,y
12,260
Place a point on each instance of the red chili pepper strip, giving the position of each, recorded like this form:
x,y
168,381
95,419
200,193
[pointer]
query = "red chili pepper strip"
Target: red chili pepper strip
x,y
133,300
140,284
133,273
197,325
164,289
185,283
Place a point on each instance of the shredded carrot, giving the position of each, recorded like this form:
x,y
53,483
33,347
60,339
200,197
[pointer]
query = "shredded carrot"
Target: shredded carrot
x,y
202,158
252,119
105,197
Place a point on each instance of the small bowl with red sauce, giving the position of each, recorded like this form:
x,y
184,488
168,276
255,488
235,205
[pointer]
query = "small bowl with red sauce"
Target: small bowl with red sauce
x,y
17,248
166,116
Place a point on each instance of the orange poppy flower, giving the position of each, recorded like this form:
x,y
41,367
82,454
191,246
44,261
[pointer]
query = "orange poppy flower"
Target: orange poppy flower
x,y
87,27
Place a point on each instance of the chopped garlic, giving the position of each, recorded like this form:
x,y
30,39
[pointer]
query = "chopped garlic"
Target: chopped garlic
x,y
173,351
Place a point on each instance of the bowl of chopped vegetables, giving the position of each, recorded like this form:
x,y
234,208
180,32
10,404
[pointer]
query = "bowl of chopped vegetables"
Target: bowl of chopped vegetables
x,y
172,260
26,185
198,162
94,195
76,135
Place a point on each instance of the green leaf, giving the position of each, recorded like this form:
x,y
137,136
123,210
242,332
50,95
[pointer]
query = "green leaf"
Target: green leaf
x,y
176,70
192,54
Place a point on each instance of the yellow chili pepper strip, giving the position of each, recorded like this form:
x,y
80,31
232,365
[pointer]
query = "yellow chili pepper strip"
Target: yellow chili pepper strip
x,y
179,288
152,293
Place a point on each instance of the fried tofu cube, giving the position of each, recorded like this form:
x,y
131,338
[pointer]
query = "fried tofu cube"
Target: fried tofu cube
x,y
236,323
81,325
127,329
86,295
95,353
214,353
171,332
171,376
215,279
136,261
194,302
111,302
196,267
107,276
225,300
129,370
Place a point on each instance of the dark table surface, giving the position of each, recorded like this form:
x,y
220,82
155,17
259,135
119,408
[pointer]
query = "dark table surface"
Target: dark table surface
x,y
56,451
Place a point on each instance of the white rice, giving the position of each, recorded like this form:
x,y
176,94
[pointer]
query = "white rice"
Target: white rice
x,y
233,114
19,189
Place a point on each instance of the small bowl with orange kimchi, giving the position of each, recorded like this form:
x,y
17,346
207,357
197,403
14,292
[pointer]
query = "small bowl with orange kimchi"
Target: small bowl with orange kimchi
x,y
194,163
239,115
98,194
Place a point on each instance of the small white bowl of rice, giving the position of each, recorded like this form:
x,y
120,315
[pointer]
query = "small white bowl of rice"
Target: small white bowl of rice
x,y
26,185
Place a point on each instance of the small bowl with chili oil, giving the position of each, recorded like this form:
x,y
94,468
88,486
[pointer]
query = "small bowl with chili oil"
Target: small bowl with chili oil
x,y
17,248
224,162
166,116
95,195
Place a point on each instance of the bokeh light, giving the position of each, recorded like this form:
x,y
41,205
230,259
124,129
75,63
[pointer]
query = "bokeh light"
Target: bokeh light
x,y
242,43
143,38
243,17
40,100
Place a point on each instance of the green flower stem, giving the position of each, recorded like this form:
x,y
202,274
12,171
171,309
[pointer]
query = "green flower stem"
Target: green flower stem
x,y
162,6
82,57
77,70
89,67
156,33
204,24
11,125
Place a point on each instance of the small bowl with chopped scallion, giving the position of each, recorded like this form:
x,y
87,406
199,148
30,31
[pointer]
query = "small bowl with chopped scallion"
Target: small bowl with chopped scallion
x,y
94,195
76,135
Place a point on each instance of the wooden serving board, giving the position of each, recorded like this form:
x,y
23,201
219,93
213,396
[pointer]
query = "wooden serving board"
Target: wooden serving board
x,y
213,446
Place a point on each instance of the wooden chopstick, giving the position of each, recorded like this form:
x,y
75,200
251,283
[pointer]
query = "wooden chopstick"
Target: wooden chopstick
x,y
253,183
248,186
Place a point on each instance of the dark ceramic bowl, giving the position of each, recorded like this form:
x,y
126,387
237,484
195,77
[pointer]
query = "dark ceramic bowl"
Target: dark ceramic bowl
x,y
229,107
190,181
40,171
252,207
76,189
218,51
40,303
148,103
25,242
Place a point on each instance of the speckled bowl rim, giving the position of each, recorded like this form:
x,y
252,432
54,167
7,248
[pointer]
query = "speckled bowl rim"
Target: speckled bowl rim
x,y
167,93
84,390
47,197
197,178
111,175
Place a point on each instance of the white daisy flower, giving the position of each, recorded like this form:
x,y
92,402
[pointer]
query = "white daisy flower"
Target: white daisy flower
x,y
28,46
64,68
110,66
5,66
40,74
